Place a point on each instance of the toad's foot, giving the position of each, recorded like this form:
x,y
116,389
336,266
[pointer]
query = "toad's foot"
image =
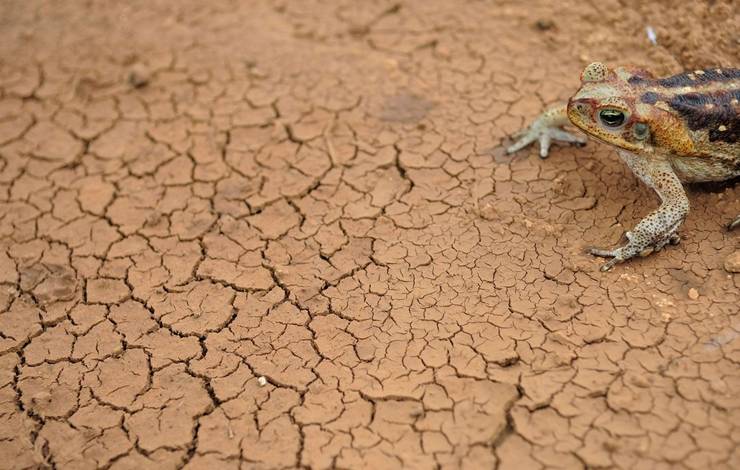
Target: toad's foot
x,y
545,129
631,249
734,224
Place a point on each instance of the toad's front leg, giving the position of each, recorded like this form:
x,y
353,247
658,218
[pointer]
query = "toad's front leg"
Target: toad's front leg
x,y
660,226
546,128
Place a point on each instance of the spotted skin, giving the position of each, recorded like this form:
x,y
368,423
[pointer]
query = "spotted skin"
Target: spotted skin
x,y
659,228
713,111
668,131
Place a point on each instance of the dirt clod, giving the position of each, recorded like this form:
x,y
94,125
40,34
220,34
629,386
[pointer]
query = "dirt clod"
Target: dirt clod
x,y
544,24
139,75
732,263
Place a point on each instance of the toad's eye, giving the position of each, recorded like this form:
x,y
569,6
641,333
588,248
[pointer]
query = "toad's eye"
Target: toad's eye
x,y
611,117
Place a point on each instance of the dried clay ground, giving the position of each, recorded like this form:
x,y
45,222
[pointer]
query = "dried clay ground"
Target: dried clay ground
x,y
270,235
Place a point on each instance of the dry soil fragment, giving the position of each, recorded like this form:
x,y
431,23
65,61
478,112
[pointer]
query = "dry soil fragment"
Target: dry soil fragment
x,y
280,433
275,220
162,459
59,284
732,263
51,390
405,107
101,341
53,143
13,128
245,274
139,75
200,308
95,195
54,344
166,411
119,380
72,448
124,139
8,272
106,291
17,324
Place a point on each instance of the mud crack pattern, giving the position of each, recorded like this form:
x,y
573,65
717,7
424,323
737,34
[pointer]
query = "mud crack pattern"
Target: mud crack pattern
x,y
284,235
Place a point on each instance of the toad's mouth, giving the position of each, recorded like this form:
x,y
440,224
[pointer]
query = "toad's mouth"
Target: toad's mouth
x,y
580,111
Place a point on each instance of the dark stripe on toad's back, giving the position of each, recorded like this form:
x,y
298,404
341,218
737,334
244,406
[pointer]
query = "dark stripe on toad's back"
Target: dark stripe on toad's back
x,y
640,76
708,75
649,97
713,112
731,135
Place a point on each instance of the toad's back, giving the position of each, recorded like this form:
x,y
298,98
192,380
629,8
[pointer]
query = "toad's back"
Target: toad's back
x,y
706,104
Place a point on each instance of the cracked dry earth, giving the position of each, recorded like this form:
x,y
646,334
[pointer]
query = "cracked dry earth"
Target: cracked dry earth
x,y
284,234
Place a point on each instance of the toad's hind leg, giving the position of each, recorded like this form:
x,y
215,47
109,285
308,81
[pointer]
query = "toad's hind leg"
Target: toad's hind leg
x,y
660,226
734,224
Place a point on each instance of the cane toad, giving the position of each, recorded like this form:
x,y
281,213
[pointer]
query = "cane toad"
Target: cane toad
x,y
669,131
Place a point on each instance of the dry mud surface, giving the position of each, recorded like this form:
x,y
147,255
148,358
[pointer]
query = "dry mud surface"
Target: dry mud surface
x,y
283,234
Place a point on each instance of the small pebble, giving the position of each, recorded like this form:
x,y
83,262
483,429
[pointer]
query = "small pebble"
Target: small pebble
x,y
544,24
262,380
732,263
139,76
693,294
651,35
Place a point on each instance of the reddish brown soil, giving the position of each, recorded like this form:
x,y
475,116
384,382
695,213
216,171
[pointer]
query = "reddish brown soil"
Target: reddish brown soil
x,y
283,234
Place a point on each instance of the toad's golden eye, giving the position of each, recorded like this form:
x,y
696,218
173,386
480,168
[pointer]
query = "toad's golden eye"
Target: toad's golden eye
x,y
611,117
